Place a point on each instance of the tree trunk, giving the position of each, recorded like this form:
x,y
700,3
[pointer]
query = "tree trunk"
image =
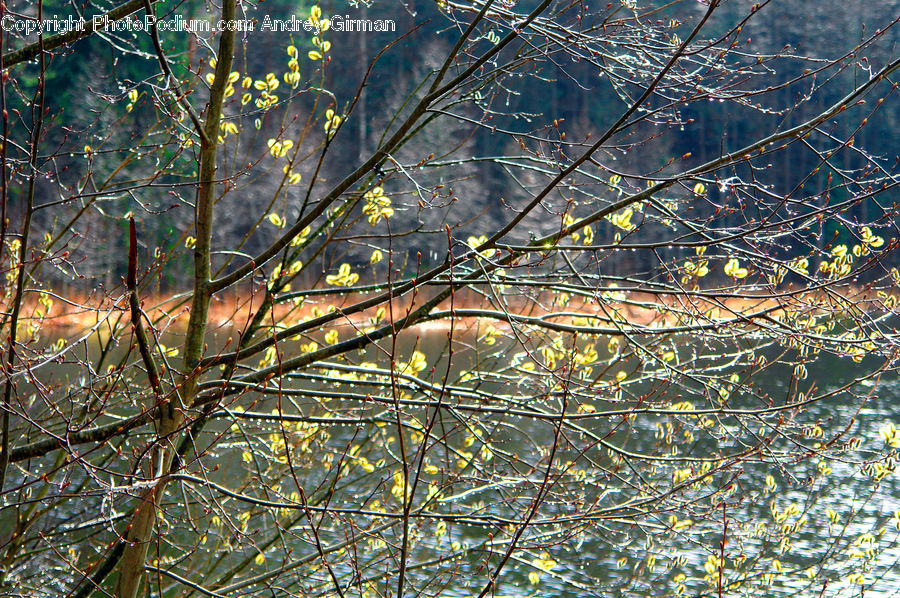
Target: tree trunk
x,y
172,412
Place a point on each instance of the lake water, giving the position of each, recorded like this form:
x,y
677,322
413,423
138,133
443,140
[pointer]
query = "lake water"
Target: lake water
x,y
779,536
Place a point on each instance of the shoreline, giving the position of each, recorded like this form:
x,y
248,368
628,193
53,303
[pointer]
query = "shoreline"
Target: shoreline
x,y
63,315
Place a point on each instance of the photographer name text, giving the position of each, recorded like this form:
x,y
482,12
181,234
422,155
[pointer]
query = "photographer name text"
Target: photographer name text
x,y
341,23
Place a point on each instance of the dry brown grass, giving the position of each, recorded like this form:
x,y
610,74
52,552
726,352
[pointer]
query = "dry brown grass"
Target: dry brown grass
x,y
71,314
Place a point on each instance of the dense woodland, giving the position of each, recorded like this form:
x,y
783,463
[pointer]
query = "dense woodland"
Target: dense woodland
x,y
711,118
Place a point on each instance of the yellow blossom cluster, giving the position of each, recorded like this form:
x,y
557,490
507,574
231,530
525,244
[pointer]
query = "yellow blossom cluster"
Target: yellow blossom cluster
x,y
475,242
279,148
132,98
332,122
344,277
292,77
543,564
417,362
733,268
378,206
623,219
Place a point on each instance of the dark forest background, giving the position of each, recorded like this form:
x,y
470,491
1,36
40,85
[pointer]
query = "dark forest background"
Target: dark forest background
x,y
88,83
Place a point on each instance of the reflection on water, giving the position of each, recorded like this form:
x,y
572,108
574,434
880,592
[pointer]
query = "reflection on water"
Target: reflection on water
x,y
792,523
798,524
